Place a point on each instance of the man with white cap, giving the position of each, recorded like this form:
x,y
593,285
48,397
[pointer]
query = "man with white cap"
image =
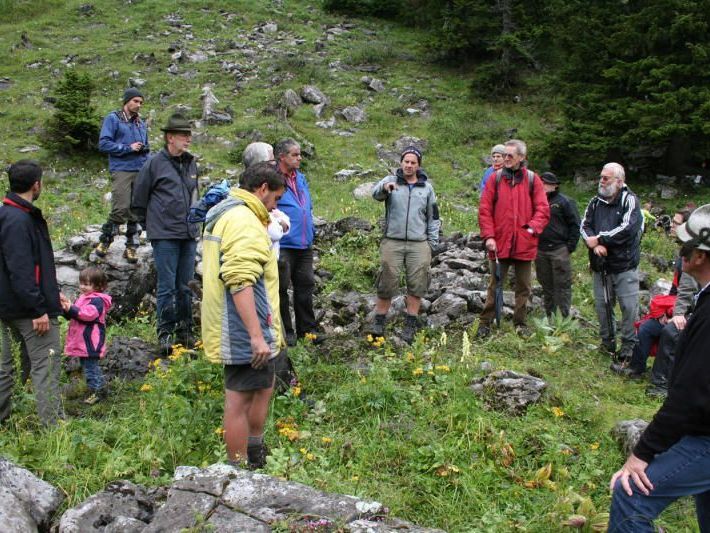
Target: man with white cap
x,y
672,457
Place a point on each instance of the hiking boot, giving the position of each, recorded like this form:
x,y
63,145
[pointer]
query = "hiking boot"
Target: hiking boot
x,y
522,330
411,326
256,456
186,338
655,391
102,249
377,326
130,255
483,331
624,370
166,341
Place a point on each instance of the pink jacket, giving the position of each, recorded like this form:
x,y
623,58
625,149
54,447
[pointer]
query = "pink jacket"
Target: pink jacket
x,y
86,336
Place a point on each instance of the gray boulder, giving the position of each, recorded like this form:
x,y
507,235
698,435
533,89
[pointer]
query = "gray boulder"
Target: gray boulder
x,y
450,304
373,84
313,95
25,499
353,114
364,191
628,432
290,99
509,391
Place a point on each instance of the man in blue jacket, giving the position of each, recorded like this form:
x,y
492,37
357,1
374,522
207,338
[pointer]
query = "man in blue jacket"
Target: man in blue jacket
x,y
29,295
296,259
124,137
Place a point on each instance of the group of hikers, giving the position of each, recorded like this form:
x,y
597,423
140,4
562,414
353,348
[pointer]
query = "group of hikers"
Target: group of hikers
x,y
257,244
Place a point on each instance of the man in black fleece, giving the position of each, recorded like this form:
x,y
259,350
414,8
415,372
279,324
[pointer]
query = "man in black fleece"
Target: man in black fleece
x,y
672,457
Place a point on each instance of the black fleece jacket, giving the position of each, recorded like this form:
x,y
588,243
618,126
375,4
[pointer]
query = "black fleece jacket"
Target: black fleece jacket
x,y
28,279
563,228
686,410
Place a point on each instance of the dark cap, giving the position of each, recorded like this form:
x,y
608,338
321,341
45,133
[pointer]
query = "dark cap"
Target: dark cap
x,y
549,177
130,94
177,124
411,150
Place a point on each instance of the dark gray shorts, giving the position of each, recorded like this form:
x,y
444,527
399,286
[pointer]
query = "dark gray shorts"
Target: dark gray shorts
x,y
243,378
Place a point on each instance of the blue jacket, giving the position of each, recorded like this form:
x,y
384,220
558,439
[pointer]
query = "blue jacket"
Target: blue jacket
x,y
299,210
118,132
486,174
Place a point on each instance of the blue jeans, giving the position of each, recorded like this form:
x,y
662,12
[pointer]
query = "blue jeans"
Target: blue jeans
x,y
175,265
682,470
92,373
649,331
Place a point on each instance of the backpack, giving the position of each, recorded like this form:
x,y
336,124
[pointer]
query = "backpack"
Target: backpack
x,y
531,182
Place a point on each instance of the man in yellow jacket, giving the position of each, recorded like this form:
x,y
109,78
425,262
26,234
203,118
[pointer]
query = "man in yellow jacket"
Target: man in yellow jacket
x,y
241,325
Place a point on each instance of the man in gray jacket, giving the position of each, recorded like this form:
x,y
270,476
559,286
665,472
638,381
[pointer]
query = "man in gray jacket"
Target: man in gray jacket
x,y
164,190
411,232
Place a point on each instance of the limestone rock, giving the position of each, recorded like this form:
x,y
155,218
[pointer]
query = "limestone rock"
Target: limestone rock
x,y
37,499
509,391
450,304
313,95
364,191
13,515
353,114
373,84
628,432
290,99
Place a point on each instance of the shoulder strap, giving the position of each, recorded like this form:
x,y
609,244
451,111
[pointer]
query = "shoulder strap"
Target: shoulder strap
x,y
499,177
531,182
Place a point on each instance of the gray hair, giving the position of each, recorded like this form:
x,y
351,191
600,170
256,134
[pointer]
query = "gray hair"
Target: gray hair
x,y
256,153
283,147
616,169
498,149
520,147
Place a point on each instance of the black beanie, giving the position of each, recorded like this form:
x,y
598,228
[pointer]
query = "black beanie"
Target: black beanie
x,y
411,150
130,93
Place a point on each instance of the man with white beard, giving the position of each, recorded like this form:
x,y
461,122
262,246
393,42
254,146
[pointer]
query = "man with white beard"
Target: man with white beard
x,y
612,229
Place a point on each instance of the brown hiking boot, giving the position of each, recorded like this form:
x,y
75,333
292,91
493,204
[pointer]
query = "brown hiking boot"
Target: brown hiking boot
x,y
130,255
102,249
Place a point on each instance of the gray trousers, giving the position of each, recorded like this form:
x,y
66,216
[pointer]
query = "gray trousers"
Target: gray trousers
x,y
554,272
624,289
45,366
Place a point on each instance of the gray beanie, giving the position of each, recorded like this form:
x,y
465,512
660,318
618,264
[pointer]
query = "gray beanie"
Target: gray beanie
x,y
130,93
498,149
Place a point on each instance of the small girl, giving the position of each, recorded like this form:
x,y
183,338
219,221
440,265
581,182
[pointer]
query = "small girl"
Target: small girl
x,y
86,336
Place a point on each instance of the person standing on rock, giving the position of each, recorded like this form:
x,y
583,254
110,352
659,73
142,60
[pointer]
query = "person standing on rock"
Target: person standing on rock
x,y
241,324
411,232
672,456
29,294
164,191
497,155
512,216
558,240
612,229
124,137
296,258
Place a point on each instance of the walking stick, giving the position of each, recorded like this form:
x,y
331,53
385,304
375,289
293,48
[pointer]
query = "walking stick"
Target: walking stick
x,y
608,303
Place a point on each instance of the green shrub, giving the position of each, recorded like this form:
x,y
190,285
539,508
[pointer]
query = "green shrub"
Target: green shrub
x,y
74,127
368,8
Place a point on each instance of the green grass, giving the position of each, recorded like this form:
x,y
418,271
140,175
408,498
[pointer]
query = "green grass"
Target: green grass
x,y
420,443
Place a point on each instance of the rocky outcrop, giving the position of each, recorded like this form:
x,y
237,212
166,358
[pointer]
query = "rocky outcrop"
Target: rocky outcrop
x,y
508,391
223,498
27,503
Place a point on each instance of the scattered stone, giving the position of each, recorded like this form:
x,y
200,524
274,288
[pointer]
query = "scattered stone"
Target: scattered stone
x,y
353,114
126,358
290,100
173,19
136,82
173,69
269,27
373,84
318,109
450,304
628,432
509,391
28,149
668,193
5,83
326,124
86,10
198,57
406,140
313,95
364,191
147,59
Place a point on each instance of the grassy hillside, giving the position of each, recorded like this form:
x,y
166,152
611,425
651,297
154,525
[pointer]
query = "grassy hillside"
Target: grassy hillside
x,y
397,426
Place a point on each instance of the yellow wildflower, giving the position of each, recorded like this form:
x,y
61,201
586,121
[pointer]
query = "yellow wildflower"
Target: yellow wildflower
x,y
219,431
558,412
326,440
146,387
370,338
310,457
418,371
594,446
410,356
442,368
296,391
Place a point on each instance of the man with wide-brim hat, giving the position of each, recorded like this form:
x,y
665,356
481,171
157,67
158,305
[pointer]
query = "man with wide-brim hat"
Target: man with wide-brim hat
x,y
165,189
672,457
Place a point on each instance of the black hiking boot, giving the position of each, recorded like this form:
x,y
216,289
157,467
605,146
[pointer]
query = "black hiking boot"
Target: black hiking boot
x,y
411,326
256,456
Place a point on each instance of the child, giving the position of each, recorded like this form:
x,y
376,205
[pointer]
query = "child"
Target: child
x,y
86,337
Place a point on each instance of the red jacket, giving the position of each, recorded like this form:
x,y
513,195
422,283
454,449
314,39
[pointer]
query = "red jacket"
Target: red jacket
x,y
516,209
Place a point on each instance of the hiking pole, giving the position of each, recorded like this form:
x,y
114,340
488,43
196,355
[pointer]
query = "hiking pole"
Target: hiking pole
x,y
608,305
499,291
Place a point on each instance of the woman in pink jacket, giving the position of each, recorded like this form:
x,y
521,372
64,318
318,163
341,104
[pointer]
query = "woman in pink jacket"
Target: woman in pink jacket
x,y
86,337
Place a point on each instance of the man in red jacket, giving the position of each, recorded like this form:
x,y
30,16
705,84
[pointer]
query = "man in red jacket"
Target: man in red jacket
x,y
512,214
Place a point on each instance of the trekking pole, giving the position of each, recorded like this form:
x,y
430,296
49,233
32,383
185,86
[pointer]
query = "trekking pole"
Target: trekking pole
x,y
608,302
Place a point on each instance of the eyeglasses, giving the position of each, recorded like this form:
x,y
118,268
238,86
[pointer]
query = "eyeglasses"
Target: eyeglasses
x,y
607,178
510,156
675,222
